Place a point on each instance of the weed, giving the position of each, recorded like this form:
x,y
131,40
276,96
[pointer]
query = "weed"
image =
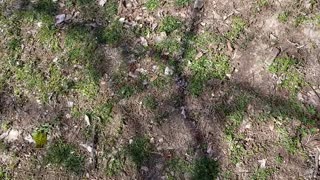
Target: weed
x,y
65,155
111,9
237,27
169,46
205,169
291,144
88,87
279,159
262,174
126,91
103,112
79,43
34,79
282,65
112,34
152,4
139,150
204,69
300,19
150,102
178,166
4,174
161,82
286,67
116,163
284,16
262,3
39,135
47,37
182,2
170,24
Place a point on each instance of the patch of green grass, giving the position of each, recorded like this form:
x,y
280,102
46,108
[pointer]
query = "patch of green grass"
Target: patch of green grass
x,y
235,112
182,2
290,143
88,85
284,16
150,102
205,40
126,91
279,159
287,67
139,150
47,7
205,169
152,4
282,65
207,68
103,112
237,27
112,34
161,82
47,36
36,81
65,155
80,43
179,167
4,174
300,19
111,9
116,164
169,46
262,3
262,174
170,24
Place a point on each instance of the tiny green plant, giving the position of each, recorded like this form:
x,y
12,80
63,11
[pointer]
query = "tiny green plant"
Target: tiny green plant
x,y
206,169
39,135
238,26
170,24
152,4
139,150
65,155
262,174
182,2
4,174
279,159
150,102
116,163
284,16
287,67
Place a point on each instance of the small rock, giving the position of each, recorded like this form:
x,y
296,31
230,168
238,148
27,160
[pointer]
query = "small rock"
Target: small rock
x,y
144,168
198,4
29,138
168,71
70,104
161,140
102,2
161,37
122,20
87,120
68,116
130,141
143,41
199,55
11,135
60,18
87,147
262,163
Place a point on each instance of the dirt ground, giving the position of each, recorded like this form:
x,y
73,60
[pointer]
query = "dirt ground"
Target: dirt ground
x,y
159,89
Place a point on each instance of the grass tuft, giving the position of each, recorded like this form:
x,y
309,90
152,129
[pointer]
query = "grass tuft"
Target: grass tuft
x,y
65,155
